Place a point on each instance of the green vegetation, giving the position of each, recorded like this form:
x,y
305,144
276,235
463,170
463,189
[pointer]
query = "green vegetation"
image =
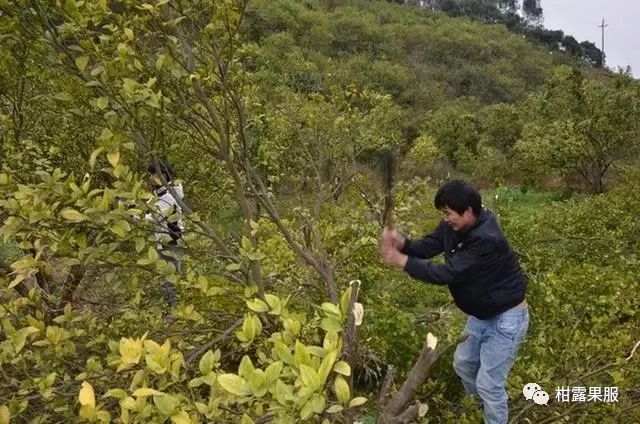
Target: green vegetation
x,y
274,114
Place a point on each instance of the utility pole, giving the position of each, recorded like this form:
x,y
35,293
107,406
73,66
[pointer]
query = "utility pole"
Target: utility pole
x,y
602,26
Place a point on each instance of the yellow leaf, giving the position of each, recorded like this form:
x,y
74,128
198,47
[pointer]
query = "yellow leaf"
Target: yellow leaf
x,y
234,384
145,391
357,401
87,413
130,350
81,62
121,228
72,215
116,393
113,158
5,416
341,387
102,102
129,33
86,396
246,420
341,367
181,418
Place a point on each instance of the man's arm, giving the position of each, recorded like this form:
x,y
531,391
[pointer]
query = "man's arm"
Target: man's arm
x,y
459,267
427,247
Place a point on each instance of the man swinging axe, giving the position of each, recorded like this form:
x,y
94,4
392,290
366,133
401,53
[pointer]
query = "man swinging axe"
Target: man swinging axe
x,y
486,282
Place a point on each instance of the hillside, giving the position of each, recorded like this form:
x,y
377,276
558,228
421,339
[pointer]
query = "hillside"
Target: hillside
x,y
290,125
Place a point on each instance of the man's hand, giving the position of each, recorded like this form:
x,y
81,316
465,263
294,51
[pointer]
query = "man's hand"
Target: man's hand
x,y
393,238
393,257
392,242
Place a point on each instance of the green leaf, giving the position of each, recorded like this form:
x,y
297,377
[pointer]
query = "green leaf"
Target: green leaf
x,y
246,368
283,392
206,363
341,367
317,351
145,392
166,404
232,267
251,327
334,409
120,228
318,403
331,341
72,215
274,303
283,352
234,384
257,305
357,401
309,377
128,403
246,420
341,388
140,243
104,417
331,309
181,418
307,411
81,62
152,254
102,102
160,62
114,158
116,393
331,324
106,134
273,372
128,32
256,382
20,337
344,301
326,365
301,354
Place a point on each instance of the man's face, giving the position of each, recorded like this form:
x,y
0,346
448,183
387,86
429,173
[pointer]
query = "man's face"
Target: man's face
x,y
155,181
457,221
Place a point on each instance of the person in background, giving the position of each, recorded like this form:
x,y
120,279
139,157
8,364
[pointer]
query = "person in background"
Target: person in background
x,y
485,279
169,231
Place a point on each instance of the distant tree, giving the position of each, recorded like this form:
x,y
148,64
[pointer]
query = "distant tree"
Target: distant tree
x,y
591,55
532,10
580,127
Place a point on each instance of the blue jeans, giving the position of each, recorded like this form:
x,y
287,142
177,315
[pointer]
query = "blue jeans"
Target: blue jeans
x,y
484,359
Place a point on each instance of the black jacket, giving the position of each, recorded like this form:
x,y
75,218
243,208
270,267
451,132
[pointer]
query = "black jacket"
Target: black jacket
x,y
481,269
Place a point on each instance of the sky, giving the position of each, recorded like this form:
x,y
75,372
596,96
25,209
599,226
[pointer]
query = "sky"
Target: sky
x,y
581,18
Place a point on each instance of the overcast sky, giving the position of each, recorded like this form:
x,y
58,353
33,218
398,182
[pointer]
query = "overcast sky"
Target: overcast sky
x,y
581,18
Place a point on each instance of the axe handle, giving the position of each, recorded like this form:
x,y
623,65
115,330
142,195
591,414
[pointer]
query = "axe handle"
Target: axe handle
x,y
389,170
388,214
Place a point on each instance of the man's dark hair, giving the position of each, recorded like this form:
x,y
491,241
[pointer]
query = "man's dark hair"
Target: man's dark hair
x,y
164,167
458,195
